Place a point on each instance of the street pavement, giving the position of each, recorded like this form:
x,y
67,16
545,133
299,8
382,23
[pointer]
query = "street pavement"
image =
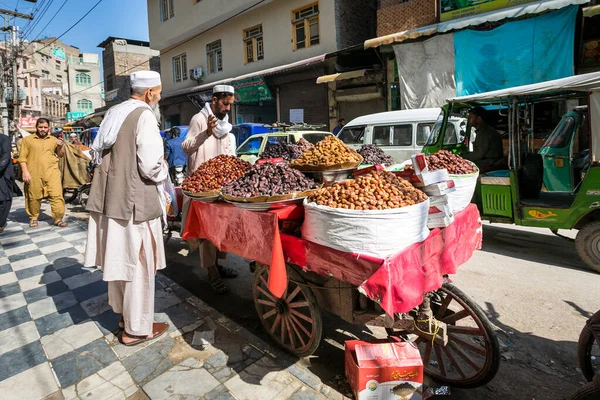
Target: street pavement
x,y
57,333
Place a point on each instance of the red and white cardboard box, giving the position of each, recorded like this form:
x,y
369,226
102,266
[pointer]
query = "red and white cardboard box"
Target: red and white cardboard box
x,y
431,177
439,220
439,189
435,201
384,369
419,163
442,209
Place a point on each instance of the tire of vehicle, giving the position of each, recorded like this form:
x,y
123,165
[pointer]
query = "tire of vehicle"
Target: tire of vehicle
x,y
531,176
70,195
584,353
589,391
587,243
83,197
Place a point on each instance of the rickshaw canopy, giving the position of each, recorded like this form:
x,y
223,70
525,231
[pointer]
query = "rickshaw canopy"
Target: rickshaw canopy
x,y
585,84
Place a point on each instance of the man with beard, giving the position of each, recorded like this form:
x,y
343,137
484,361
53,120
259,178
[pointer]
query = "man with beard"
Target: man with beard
x,y
39,165
124,229
208,137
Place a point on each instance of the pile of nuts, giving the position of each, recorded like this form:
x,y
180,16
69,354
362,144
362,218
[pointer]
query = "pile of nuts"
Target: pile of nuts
x,y
269,180
329,151
285,150
444,159
374,155
215,173
377,190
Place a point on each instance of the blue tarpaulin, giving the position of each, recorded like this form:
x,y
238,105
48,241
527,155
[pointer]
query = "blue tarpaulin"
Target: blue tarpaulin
x,y
516,53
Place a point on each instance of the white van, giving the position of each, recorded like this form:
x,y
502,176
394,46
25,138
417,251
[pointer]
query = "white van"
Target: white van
x,y
399,133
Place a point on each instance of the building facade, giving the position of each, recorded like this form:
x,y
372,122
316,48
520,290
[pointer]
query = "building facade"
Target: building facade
x,y
85,89
121,57
272,52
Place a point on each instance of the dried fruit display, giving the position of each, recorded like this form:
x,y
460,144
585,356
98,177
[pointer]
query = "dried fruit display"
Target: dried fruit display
x,y
328,152
214,173
303,144
377,190
269,180
287,151
444,159
375,155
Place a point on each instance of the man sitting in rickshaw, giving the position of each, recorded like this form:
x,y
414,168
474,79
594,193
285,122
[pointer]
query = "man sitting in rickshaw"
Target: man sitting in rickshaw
x,y
487,151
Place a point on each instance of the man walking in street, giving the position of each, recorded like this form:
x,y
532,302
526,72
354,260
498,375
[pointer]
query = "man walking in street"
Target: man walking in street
x,y
124,230
6,180
174,154
38,159
209,136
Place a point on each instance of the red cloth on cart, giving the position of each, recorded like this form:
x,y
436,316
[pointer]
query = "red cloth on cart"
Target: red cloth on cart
x,y
400,281
254,235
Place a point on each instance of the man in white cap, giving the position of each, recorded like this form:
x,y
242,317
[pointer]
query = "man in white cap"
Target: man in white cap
x,y
124,230
209,136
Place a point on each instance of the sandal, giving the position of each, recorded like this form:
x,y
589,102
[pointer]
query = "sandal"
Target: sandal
x,y
218,286
61,224
33,223
227,273
158,329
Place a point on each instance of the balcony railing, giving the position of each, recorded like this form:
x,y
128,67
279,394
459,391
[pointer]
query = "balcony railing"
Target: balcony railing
x,y
79,61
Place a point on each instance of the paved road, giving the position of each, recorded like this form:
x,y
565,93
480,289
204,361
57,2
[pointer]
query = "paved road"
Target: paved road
x,y
529,282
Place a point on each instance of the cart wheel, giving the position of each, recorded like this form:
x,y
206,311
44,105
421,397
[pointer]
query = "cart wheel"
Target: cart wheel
x,y
588,353
69,195
472,356
294,321
83,197
587,243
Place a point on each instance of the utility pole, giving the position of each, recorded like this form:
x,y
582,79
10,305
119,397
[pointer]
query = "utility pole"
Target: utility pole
x,y
15,51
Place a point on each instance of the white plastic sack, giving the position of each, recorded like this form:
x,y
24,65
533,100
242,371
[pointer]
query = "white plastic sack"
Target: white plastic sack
x,y
465,188
380,233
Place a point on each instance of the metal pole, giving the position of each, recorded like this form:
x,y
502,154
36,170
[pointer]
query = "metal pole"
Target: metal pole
x,y
16,113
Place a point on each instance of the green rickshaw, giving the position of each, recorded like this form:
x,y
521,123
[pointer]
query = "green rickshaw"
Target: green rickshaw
x,y
567,166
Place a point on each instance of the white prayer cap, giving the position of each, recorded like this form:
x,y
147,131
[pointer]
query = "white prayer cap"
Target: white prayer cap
x,y
145,79
73,135
223,89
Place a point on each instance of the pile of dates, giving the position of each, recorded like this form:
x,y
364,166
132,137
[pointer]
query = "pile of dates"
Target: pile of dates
x,y
444,159
329,151
285,150
374,155
269,180
215,173
303,144
377,190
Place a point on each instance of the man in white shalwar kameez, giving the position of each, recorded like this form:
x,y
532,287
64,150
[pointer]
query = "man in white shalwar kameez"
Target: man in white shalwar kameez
x,y
125,231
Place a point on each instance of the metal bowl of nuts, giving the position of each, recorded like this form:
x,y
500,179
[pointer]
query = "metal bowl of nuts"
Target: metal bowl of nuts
x,y
330,177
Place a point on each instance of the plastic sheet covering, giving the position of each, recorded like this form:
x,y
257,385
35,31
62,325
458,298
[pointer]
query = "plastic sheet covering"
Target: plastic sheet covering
x,y
426,72
516,53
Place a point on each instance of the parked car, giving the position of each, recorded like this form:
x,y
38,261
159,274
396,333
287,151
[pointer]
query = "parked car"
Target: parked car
x,y
244,131
399,133
254,146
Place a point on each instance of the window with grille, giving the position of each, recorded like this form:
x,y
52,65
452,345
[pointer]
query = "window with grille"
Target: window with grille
x,y
167,10
180,68
253,44
214,57
83,79
85,105
305,23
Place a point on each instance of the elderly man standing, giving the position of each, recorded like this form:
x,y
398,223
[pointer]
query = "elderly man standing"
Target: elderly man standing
x,y
125,231
39,165
208,137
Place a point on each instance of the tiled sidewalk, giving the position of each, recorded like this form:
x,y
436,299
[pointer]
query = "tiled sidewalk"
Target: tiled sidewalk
x,y
57,334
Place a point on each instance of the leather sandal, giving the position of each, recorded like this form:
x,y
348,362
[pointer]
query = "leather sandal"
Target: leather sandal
x,y
158,329
61,224
33,223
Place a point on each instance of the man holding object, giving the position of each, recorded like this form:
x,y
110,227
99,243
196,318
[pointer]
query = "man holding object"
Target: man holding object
x,y
124,230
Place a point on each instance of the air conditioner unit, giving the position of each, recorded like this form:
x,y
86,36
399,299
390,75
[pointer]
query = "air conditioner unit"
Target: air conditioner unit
x,y
197,73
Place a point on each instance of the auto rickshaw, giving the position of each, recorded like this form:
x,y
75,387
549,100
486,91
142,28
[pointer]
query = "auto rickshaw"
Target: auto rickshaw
x,y
515,195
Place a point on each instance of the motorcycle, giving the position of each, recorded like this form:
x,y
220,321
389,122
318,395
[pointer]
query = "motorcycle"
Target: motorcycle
x,y
178,174
588,358
80,195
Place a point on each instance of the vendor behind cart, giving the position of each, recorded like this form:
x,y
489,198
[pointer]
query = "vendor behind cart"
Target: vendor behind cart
x,y
209,136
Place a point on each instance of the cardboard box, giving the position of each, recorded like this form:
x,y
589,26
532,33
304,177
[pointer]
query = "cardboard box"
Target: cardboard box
x,y
442,209
435,201
366,170
431,177
384,369
439,189
270,160
439,220
419,163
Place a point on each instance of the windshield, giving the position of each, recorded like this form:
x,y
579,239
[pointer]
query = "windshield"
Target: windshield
x,y
435,132
314,138
561,135
251,147
352,134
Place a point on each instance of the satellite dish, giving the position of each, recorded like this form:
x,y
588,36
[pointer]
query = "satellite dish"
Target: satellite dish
x,y
197,73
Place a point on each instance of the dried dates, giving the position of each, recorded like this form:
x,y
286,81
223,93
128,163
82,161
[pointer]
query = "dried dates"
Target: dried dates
x,y
214,173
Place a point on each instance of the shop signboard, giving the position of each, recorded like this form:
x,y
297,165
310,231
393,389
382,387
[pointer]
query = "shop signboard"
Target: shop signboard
x,y
74,116
252,90
59,54
27,122
455,9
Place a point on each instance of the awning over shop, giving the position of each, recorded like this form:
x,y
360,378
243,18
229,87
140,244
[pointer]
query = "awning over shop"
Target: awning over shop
x,y
265,72
494,16
342,76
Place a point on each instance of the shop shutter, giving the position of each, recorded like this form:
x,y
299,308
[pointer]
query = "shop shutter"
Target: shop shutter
x,y
307,95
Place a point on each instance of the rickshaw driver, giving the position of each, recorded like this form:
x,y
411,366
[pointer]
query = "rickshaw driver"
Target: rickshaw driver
x,y
487,147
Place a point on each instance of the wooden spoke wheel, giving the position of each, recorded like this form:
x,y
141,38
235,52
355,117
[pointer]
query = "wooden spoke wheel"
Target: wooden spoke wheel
x,y
294,321
472,356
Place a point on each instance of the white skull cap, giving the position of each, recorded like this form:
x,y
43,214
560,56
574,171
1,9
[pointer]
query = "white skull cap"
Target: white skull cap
x,y
223,89
145,79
